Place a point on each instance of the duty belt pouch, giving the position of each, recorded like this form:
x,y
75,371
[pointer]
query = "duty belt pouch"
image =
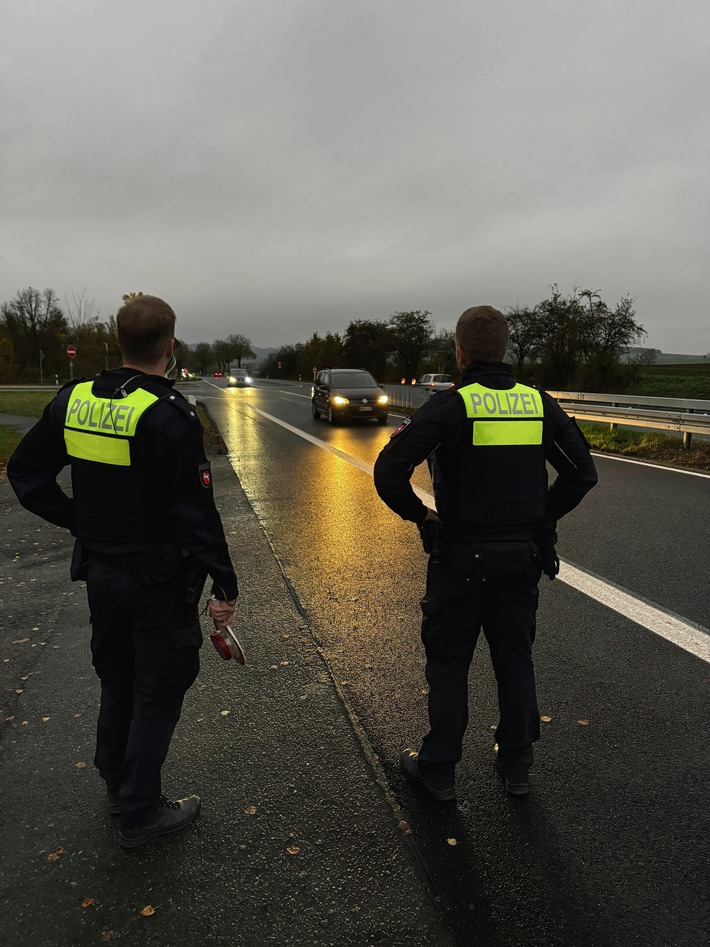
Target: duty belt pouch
x,y
195,583
79,563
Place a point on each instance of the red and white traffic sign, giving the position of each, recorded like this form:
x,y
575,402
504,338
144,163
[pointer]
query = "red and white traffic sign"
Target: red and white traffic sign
x,y
71,351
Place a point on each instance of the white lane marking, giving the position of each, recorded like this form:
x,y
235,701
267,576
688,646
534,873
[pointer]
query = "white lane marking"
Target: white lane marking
x,y
693,639
623,460
645,463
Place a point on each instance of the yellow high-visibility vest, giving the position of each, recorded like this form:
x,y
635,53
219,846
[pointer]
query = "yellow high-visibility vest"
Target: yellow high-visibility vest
x,y
504,417
100,429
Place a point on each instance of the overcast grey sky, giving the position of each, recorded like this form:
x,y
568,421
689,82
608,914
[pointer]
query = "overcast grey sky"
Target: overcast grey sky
x,y
279,167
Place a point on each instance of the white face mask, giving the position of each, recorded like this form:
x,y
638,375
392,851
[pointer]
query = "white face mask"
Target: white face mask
x,y
170,367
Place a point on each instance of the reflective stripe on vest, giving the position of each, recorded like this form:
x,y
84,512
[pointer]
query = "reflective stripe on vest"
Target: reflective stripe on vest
x,y
100,429
503,417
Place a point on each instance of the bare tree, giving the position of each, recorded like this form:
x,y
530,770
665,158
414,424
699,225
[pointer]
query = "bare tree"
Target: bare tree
x,y
79,310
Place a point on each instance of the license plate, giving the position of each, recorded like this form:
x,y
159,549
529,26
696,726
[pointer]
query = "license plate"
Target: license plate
x,y
368,408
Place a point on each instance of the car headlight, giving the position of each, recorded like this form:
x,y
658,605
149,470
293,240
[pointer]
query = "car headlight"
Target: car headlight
x,y
338,399
383,399
232,378
247,381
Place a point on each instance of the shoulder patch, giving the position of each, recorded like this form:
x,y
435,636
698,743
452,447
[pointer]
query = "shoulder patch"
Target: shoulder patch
x,y
205,471
403,426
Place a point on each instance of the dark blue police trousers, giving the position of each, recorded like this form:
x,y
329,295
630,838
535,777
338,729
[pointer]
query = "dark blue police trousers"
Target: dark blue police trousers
x,y
145,647
491,586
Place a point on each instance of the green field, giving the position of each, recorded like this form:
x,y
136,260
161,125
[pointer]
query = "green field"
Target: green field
x,y
675,381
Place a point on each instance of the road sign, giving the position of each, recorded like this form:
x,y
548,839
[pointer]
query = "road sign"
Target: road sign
x,y
71,351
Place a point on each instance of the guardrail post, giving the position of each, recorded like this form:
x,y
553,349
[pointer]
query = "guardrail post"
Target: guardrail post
x,y
687,440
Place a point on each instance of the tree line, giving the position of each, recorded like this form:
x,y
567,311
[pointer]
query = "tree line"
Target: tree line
x,y
36,329
573,342
565,342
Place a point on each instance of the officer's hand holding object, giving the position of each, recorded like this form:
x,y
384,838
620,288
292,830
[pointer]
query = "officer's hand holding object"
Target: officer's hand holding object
x,y
221,612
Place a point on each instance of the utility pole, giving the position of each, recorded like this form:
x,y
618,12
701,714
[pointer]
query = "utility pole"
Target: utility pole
x,y
41,372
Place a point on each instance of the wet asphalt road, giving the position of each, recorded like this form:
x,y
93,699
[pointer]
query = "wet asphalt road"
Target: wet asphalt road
x,y
612,845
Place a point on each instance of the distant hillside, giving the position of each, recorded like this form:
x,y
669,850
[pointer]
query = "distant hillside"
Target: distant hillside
x,y
667,358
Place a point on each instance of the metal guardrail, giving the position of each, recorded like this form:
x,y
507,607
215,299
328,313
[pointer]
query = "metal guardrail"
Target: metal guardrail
x,y
407,396
679,415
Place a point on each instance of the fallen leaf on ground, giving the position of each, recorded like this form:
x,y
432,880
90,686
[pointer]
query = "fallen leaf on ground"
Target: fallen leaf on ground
x,y
80,765
284,664
584,723
20,640
87,902
224,713
293,850
250,810
77,715
148,910
545,719
284,636
45,719
55,855
107,936
452,841
405,827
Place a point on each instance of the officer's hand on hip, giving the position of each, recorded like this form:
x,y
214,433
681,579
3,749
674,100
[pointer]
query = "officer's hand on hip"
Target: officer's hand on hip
x,y
221,612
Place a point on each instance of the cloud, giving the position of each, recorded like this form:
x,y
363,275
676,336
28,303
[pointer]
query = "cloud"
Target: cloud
x,y
277,168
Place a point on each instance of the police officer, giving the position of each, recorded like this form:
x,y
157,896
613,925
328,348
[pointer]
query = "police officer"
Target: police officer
x,y
492,535
147,535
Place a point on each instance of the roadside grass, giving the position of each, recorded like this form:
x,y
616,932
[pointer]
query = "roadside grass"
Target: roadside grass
x,y
648,445
28,404
9,440
213,439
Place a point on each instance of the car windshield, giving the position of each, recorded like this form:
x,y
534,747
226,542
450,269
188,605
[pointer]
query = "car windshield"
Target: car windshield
x,y
356,380
441,378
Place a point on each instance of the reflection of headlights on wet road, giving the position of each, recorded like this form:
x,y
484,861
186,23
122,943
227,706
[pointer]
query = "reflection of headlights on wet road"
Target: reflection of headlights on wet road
x,y
383,399
338,399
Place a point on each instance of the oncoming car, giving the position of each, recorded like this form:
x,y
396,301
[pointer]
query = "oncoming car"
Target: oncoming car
x,y
239,379
434,383
351,394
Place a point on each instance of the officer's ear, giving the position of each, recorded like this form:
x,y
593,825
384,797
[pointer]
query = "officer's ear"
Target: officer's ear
x,y
462,360
169,354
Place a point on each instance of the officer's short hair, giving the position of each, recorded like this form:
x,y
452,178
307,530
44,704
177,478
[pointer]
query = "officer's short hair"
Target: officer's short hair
x,y
144,325
482,334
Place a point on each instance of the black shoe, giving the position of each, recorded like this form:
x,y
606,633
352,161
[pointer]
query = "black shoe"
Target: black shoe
x,y
113,807
170,817
408,762
515,778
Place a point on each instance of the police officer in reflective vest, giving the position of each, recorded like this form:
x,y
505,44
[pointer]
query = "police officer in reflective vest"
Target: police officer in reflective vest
x,y
493,534
147,535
